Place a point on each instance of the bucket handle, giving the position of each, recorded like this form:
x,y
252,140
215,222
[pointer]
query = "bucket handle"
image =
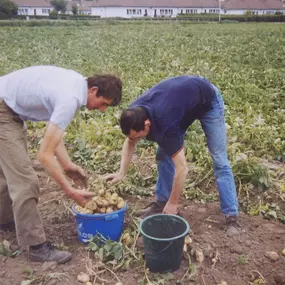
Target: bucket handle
x,y
111,217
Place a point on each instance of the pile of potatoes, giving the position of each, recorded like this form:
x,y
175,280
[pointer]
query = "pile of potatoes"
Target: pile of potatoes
x,y
102,204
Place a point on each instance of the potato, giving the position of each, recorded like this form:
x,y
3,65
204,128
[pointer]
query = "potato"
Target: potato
x,y
91,205
109,210
86,211
105,203
126,239
188,240
99,202
112,202
102,210
121,204
114,196
125,236
101,192
108,196
95,198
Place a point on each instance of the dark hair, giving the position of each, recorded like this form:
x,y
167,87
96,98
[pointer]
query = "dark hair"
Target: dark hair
x,y
109,86
133,119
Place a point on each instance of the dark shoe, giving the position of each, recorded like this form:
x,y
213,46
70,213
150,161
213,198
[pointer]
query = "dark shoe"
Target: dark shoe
x,y
7,227
233,228
151,209
48,252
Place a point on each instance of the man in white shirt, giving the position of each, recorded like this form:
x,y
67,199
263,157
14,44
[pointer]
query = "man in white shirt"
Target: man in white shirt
x,y
52,94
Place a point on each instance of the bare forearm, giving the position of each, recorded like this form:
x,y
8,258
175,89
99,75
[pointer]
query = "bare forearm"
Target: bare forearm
x,y
178,185
127,153
62,155
55,171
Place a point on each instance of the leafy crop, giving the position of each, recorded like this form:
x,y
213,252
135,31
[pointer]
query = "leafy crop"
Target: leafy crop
x,y
246,61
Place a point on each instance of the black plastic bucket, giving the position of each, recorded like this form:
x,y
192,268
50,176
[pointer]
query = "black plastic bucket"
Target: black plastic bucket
x,y
163,237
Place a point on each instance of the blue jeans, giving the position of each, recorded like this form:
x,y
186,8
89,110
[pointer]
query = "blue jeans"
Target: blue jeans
x,y
213,124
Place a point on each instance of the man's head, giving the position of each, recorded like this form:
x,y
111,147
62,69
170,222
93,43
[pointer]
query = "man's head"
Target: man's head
x,y
135,123
103,91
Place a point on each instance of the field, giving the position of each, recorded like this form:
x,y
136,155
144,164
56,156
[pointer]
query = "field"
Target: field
x,y
246,61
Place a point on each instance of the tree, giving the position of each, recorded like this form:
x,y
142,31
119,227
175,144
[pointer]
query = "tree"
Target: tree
x,y
74,9
8,8
59,5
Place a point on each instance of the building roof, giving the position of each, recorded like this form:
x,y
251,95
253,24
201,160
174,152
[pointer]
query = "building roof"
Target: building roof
x,y
226,4
33,3
253,4
156,3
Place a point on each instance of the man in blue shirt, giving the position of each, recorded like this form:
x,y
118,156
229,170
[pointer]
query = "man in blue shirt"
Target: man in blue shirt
x,y
163,114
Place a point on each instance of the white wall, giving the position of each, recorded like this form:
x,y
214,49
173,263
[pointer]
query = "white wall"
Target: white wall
x,y
133,12
30,11
107,12
138,12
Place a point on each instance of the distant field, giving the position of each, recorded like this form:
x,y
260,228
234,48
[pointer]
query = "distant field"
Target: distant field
x,y
246,61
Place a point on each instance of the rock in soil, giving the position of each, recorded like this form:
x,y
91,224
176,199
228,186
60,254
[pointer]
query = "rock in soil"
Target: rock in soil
x,y
237,249
83,278
272,255
283,252
49,265
279,279
223,283
199,255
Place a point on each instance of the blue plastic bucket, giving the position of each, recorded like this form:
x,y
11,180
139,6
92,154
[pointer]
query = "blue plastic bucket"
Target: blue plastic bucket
x,y
110,225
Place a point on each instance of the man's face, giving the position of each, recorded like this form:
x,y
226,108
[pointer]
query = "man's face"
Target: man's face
x,y
97,103
134,135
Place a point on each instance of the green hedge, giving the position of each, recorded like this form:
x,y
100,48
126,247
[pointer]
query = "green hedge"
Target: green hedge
x,y
239,18
59,19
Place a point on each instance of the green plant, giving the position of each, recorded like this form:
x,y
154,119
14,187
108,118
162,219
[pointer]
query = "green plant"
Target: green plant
x,y
242,259
8,7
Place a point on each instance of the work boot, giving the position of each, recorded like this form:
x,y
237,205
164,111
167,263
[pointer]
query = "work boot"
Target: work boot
x,y
48,252
155,207
233,228
7,227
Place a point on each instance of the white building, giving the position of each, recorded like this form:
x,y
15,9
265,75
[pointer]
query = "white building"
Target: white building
x,y
151,8
171,8
259,7
154,8
33,7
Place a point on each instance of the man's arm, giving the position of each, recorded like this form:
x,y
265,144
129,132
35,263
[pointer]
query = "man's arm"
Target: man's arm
x,y
51,141
127,153
181,170
62,155
75,172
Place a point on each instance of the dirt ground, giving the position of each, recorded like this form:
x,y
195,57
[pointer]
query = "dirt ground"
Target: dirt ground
x,y
239,260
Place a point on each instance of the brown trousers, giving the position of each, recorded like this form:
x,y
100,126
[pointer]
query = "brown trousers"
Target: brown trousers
x,y
19,185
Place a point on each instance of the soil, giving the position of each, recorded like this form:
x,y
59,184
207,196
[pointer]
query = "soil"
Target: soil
x,y
240,260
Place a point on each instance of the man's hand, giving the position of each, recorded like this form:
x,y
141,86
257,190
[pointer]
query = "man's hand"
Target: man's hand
x,y
77,174
170,208
114,178
81,197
